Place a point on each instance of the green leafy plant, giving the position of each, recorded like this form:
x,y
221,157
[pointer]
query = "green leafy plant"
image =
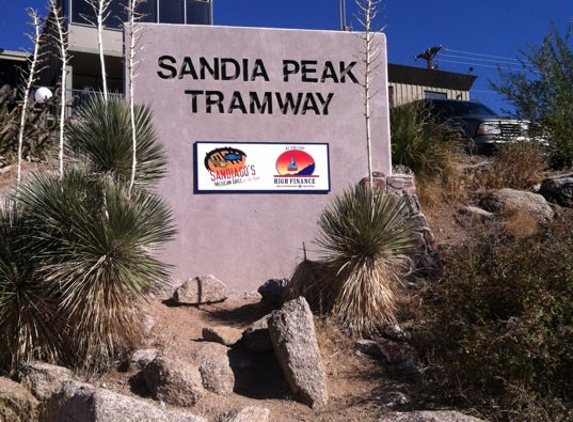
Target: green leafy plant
x,y
365,238
101,130
38,139
28,313
97,255
419,144
541,92
496,333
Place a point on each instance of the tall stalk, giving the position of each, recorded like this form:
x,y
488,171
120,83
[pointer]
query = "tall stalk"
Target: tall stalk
x,y
370,56
63,50
100,8
31,78
133,33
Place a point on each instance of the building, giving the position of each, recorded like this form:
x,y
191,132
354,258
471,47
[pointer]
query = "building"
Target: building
x,y
408,83
11,65
84,70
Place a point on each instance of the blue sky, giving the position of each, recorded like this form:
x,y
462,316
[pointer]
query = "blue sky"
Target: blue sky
x,y
475,34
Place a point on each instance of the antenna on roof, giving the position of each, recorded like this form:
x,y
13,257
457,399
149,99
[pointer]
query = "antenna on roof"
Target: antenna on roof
x,y
429,55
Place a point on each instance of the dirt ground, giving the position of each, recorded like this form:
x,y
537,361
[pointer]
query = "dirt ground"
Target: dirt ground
x,y
360,388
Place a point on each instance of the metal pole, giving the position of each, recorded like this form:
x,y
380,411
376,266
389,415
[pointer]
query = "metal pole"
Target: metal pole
x,y
342,14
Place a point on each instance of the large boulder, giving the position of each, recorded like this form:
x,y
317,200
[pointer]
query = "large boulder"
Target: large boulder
x,y
43,379
213,362
200,290
293,336
558,189
16,403
511,202
173,381
428,416
80,402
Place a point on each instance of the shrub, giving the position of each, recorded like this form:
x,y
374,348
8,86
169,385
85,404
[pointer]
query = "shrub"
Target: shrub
x,y
426,148
96,256
28,313
516,165
101,130
365,237
38,139
498,326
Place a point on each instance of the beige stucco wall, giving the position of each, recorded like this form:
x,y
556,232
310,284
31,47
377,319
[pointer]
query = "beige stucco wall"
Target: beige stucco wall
x,y
85,39
245,239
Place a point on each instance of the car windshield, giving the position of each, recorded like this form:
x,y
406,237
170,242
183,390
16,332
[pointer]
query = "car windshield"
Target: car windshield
x,y
462,108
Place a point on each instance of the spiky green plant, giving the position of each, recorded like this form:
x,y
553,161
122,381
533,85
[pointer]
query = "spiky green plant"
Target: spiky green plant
x,y
28,313
365,237
101,130
98,255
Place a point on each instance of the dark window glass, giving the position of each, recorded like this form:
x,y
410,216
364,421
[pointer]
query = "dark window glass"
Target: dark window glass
x,y
198,12
83,13
435,95
148,10
117,14
171,11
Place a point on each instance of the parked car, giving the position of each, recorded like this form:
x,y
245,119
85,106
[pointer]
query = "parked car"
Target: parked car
x,y
479,125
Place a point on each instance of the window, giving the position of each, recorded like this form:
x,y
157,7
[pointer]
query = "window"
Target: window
x,y
433,95
199,12
163,11
171,11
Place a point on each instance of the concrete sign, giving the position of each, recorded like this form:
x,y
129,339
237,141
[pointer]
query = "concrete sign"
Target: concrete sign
x,y
241,99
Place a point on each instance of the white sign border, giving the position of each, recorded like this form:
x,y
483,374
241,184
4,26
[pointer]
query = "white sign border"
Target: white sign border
x,y
201,186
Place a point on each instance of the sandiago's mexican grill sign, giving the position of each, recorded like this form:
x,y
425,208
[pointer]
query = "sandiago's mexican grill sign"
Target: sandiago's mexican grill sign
x,y
248,118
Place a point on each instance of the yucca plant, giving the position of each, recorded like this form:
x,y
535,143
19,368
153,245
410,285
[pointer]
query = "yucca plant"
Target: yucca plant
x,y
98,256
28,313
101,130
365,238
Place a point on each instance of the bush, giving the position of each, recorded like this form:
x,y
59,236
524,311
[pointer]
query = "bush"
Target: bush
x,y
365,237
30,325
426,148
498,327
101,131
38,140
78,248
96,256
516,165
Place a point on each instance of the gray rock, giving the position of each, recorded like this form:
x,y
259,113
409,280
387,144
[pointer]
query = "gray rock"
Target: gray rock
x,y
476,213
43,379
79,402
173,381
227,336
394,352
510,201
248,414
428,416
558,189
368,347
213,362
16,403
294,341
141,358
272,291
200,290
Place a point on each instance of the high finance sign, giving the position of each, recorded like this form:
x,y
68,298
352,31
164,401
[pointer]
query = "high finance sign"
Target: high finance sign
x,y
249,116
